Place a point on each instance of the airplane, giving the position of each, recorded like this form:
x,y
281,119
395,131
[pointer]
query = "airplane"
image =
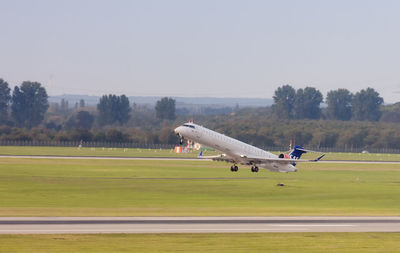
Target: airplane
x,y
238,152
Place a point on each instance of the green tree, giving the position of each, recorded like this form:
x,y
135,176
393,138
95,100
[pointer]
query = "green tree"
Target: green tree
x,y
307,103
82,120
284,100
165,108
29,104
123,110
81,135
114,135
339,104
105,109
366,105
393,117
113,109
5,98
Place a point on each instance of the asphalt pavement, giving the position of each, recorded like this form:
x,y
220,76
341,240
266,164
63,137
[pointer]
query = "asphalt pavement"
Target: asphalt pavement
x,y
100,225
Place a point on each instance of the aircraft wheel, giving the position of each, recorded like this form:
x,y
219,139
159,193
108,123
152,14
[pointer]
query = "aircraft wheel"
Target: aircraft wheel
x,y
232,168
236,168
255,169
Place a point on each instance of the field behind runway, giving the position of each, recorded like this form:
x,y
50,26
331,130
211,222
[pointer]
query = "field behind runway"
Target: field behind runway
x,y
61,187
253,242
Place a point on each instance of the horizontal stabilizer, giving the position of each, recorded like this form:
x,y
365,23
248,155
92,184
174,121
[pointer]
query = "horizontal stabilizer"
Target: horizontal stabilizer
x,y
319,158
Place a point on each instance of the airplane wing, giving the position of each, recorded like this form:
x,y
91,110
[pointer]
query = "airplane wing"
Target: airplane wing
x,y
258,160
221,158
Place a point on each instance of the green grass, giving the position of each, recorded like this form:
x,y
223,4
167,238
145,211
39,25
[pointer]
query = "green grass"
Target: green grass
x,y
113,152
58,187
251,242
130,152
334,156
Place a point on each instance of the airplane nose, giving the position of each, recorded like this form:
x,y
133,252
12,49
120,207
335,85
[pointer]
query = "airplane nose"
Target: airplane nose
x,y
176,130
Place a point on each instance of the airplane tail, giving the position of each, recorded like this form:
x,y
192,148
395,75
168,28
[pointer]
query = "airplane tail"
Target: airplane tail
x,y
296,153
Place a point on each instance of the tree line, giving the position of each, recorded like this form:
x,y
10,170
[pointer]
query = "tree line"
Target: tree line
x,y
357,120
364,105
28,104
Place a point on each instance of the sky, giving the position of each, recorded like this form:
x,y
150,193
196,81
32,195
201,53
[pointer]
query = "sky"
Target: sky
x,y
218,48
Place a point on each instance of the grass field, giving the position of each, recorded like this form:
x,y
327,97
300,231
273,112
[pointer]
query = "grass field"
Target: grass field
x,y
121,152
52,187
71,187
102,152
252,242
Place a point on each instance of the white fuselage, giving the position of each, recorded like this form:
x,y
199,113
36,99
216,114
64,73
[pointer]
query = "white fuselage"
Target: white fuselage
x,y
236,149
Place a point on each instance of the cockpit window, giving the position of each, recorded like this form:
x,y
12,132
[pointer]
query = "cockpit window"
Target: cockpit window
x,y
187,125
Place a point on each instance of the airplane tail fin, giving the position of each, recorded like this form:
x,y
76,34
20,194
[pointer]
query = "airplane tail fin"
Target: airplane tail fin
x,y
296,152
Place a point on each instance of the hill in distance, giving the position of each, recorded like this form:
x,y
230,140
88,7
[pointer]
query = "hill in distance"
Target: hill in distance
x,y
180,101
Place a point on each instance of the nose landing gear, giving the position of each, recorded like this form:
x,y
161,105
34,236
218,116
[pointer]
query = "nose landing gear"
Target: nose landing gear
x,y
180,139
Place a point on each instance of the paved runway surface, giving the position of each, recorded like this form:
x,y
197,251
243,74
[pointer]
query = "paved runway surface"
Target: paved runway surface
x,y
103,157
96,225
166,159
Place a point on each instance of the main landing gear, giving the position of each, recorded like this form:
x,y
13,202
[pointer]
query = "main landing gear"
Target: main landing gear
x,y
234,168
254,168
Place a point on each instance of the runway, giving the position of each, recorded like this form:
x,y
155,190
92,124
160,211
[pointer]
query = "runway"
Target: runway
x,y
103,158
169,159
105,225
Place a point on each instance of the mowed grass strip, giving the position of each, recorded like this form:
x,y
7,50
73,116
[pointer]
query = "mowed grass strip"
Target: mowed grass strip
x,y
138,152
58,187
227,242
97,152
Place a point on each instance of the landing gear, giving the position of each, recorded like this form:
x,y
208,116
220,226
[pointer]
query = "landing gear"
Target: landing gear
x,y
254,168
234,168
180,139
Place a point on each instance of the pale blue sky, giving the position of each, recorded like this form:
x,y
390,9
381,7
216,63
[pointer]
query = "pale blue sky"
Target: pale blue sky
x,y
221,48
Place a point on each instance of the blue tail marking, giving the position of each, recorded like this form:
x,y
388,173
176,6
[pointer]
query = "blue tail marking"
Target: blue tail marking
x,y
296,153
